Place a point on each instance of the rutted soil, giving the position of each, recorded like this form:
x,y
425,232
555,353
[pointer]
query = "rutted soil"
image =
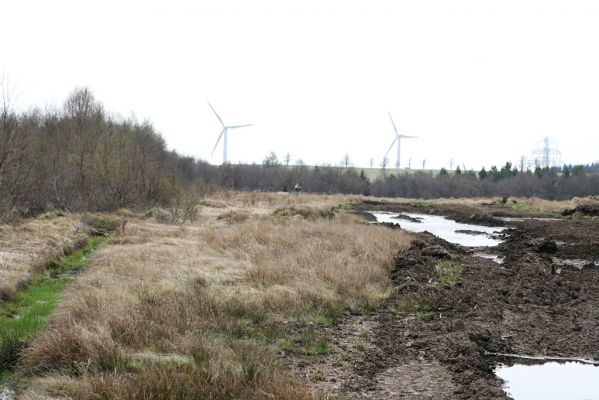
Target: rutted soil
x,y
535,303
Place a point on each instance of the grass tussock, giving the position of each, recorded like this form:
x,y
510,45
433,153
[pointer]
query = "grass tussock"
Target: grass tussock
x,y
103,224
309,213
245,373
234,217
535,205
213,292
448,272
257,203
418,303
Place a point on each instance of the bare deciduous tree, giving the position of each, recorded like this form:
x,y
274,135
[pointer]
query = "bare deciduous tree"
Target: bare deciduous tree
x,y
346,161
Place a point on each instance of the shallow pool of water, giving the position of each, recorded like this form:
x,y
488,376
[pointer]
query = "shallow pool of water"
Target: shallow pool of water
x,y
551,381
7,394
444,228
521,219
493,257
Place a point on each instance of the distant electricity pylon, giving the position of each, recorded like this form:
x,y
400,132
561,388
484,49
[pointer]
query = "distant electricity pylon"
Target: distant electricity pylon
x,y
546,154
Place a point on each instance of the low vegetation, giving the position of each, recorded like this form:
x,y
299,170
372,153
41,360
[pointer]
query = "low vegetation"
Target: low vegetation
x,y
29,310
447,272
201,310
521,205
417,303
26,247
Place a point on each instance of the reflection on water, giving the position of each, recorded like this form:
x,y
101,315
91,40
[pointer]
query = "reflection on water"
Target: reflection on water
x,y
493,257
7,394
551,381
521,219
444,228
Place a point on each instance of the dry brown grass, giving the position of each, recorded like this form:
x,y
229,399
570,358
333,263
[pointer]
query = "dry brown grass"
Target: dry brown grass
x,y
214,296
27,247
522,204
260,203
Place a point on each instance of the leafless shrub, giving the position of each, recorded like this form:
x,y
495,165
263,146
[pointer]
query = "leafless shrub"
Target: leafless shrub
x,y
184,207
159,214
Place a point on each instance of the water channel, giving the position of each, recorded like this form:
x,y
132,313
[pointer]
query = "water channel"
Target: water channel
x,y
452,231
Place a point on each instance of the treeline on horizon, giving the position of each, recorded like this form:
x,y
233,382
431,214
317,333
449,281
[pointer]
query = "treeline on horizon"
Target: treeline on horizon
x,y
545,183
79,158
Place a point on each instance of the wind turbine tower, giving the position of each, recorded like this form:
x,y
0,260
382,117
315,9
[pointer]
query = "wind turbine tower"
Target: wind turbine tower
x,y
223,134
397,139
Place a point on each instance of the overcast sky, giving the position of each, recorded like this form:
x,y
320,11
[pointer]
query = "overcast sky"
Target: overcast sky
x,y
480,82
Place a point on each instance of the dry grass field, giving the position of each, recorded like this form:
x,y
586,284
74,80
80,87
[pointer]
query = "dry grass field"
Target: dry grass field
x,y
201,311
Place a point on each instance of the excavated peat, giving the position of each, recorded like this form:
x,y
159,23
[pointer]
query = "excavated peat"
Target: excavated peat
x,y
528,305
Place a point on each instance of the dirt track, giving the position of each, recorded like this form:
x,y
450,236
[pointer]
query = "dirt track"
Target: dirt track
x,y
543,300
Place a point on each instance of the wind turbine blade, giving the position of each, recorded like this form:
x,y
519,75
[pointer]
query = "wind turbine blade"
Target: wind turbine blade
x,y
394,127
239,126
217,116
409,137
390,147
218,140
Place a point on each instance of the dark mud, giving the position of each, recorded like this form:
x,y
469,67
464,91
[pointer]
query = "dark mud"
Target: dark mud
x,y
407,218
583,209
433,338
470,232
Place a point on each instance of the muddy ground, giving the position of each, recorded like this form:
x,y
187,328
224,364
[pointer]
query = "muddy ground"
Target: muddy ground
x,y
433,338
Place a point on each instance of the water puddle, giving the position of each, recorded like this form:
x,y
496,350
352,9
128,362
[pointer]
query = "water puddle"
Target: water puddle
x,y
575,263
7,394
521,219
447,229
493,257
553,380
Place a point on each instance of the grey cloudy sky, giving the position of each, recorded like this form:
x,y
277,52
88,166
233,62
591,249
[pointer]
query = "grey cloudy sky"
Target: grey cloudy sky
x,y
479,81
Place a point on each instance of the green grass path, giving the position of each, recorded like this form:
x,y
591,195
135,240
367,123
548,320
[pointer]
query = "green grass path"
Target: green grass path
x,y
31,308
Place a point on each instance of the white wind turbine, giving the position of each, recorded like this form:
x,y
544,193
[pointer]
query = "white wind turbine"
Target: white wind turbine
x,y
397,139
224,133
